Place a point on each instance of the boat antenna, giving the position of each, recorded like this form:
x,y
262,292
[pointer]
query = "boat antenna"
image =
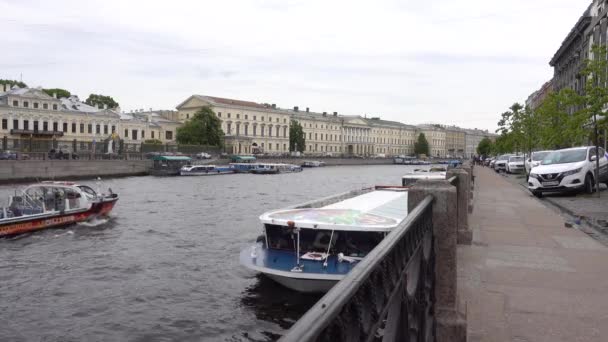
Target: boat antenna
x,y
328,247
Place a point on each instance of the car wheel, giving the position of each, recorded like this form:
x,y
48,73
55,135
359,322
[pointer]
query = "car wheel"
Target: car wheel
x,y
588,184
538,194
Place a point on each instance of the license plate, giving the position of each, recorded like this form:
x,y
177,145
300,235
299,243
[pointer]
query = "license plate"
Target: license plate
x,y
554,183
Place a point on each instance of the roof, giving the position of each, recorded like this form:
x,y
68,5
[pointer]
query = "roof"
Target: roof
x,y
577,29
378,211
73,103
172,158
242,158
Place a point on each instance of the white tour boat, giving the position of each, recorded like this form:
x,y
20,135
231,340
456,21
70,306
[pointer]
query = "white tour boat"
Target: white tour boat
x,y
418,174
310,247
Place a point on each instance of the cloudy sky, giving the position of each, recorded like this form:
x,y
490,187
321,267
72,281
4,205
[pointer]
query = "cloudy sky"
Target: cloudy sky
x,y
454,62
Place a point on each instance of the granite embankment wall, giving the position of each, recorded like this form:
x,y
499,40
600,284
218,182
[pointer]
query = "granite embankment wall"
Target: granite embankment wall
x,y
32,170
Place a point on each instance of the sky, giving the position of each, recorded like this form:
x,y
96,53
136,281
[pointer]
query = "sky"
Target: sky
x,y
449,62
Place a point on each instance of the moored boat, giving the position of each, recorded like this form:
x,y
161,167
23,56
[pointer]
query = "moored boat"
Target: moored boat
x,y
204,170
418,174
168,165
310,247
273,168
242,167
313,163
53,204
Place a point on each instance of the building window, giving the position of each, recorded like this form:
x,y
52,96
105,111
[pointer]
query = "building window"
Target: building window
x,y
238,116
26,104
143,134
284,147
169,135
45,106
105,129
150,133
73,127
15,103
254,118
45,126
187,116
134,134
113,129
269,146
54,107
81,128
277,147
36,105
278,129
55,127
246,130
26,125
97,129
219,114
15,124
262,131
255,130
90,128
228,127
35,125
65,127
4,124
284,131
277,121
228,115
126,133
246,117
262,118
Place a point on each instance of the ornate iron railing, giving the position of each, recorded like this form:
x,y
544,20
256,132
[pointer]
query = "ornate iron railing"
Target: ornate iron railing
x,y
389,296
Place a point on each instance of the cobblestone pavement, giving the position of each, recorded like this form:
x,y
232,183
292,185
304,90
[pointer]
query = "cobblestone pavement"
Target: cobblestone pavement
x,y
527,277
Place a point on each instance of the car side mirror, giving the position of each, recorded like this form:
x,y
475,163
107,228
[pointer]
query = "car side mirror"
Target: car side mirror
x,y
593,158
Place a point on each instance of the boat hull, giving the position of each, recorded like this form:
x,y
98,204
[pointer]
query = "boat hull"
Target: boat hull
x,y
55,220
210,173
303,285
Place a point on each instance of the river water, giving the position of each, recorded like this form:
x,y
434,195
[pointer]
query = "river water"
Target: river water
x,y
165,266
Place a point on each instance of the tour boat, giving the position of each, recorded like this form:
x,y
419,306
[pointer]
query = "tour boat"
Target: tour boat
x,y
242,167
418,174
310,247
53,204
270,168
168,165
313,163
204,170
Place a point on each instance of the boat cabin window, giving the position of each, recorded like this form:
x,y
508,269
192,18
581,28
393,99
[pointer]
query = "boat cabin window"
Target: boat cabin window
x,y
281,237
87,190
350,243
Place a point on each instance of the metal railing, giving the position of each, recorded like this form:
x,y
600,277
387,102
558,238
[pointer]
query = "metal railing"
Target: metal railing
x,y
390,295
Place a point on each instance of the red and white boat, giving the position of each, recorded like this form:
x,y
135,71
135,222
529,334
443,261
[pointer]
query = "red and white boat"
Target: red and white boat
x,y
53,204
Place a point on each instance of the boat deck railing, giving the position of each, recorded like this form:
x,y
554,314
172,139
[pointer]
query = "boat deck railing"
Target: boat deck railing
x,y
393,284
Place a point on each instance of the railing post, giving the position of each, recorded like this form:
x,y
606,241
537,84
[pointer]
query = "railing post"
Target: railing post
x,y
451,324
464,234
468,167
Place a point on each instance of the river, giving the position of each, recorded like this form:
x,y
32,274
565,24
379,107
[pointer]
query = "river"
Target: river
x,y
165,266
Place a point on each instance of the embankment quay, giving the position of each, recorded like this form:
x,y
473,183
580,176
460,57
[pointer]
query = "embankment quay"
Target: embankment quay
x,y
32,170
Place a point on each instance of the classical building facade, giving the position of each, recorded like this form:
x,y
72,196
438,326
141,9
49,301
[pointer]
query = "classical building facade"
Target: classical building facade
x,y
472,139
31,113
249,127
455,141
536,98
436,136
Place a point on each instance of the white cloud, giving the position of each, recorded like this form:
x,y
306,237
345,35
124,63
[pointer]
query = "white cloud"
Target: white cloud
x,y
443,61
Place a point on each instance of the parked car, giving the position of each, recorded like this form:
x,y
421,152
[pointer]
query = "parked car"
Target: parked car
x,y
571,169
515,164
534,160
203,155
8,155
501,162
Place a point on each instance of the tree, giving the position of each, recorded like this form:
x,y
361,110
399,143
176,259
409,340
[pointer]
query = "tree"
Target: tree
x,y
297,138
61,93
422,145
96,100
12,83
204,128
485,147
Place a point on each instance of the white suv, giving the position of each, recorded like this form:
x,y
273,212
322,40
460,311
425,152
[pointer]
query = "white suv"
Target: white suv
x,y
515,164
534,160
571,169
501,162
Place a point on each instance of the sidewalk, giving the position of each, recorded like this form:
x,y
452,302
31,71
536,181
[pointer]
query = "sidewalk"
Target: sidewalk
x,y
527,278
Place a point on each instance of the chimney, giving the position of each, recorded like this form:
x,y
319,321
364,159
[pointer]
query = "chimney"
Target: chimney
x,y
54,95
295,109
274,106
307,110
335,113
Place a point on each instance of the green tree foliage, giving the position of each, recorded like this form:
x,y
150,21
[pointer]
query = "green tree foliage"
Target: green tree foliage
x,y
297,139
12,83
153,142
421,146
204,128
61,93
485,147
96,100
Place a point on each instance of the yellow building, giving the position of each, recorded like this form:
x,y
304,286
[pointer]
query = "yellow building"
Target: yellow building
x,y
249,127
455,142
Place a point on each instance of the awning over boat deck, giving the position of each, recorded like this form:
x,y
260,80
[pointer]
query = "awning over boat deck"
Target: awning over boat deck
x,y
378,211
172,158
243,159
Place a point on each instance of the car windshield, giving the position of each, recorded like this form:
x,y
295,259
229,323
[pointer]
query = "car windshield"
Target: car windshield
x,y
536,156
503,158
565,156
516,159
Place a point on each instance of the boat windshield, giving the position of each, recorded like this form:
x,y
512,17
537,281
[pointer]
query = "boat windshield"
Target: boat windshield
x,y
565,157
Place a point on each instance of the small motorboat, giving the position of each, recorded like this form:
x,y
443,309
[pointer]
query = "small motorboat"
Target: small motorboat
x,y
313,163
204,170
418,174
309,248
242,167
53,204
272,168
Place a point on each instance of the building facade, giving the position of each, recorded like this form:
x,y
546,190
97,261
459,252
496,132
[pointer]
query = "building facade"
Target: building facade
x,y
31,113
436,137
538,97
472,139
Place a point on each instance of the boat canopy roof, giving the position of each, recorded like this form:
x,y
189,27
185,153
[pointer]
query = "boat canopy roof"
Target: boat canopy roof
x,y
243,158
172,158
375,211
